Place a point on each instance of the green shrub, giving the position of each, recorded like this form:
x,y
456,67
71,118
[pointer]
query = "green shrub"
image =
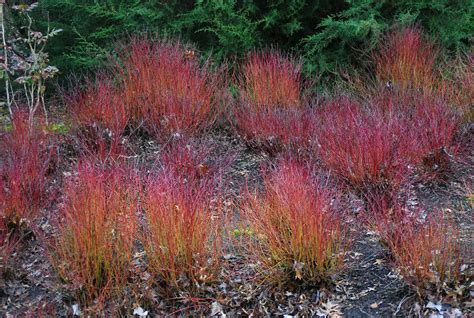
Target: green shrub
x,y
328,33
357,30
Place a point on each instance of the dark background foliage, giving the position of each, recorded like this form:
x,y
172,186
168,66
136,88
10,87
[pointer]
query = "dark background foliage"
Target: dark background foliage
x,y
328,33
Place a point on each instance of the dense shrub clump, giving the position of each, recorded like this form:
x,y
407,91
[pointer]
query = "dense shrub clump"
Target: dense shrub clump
x,y
406,60
25,167
397,127
165,86
93,248
100,106
159,86
271,80
297,224
100,118
6,245
327,33
366,147
271,111
183,220
425,249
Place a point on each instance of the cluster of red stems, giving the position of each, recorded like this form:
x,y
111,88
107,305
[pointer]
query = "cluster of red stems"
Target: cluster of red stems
x,y
25,164
296,225
174,211
157,87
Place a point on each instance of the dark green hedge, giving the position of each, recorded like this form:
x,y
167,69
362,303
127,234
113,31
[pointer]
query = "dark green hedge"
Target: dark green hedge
x,y
326,32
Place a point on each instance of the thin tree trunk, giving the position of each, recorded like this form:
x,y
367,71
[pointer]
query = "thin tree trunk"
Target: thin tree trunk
x,y
5,57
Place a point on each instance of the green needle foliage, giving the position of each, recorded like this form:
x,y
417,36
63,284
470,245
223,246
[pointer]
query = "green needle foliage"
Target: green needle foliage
x,y
327,33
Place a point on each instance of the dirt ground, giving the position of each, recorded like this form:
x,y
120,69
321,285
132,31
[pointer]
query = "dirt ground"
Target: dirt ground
x,y
368,286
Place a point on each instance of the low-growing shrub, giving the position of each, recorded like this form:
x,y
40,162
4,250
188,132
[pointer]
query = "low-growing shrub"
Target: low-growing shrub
x,y
100,105
24,168
461,92
271,79
406,60
99,145
190,160
94,244
182,208
455,84
428,254
426,250
367,147
165,86
275,129
297,226
271,112
434,127
100,118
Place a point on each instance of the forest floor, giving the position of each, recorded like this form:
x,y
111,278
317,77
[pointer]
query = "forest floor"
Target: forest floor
x,y
367,287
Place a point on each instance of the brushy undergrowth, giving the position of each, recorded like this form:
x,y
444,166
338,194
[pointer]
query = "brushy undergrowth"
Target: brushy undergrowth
x,y
157,85
96,229
271,111
271,80
425,249
165,86
277,130
406,60
183,219
296,226
100,105
25,168
398,127
376,145
100,118
6,245
366,147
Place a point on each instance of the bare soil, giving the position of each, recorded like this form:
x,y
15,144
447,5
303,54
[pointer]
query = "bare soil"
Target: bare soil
x,y
368,287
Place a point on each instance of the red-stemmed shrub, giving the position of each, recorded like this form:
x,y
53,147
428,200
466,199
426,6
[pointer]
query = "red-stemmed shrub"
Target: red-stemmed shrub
x,y
8,237
461,92
100,146
365,146
271,79
270,112
169,89
434,127
24,169
93,248
100,117
406,59
276,130
296,226
99,105
188,159
183,216
431,124
426,250
428,253
454,84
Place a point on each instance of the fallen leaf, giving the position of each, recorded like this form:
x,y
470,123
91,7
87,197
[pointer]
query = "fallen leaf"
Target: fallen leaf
x,y
432,305
75,310
217,309
378,261
140,312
